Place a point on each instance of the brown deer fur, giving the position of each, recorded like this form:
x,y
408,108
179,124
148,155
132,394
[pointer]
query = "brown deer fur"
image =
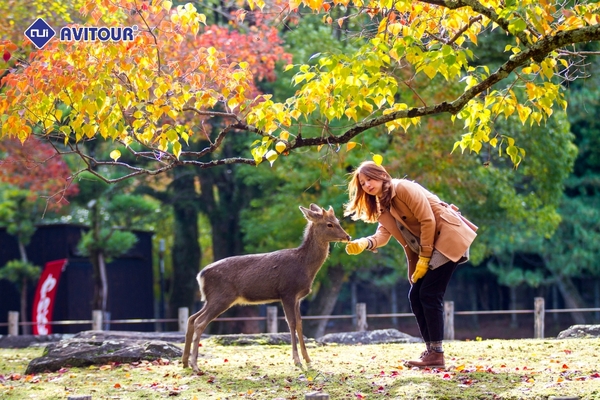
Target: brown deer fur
x,y
284,275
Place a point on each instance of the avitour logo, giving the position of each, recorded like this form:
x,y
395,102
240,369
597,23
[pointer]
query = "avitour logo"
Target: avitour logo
x,y
40,33
103,34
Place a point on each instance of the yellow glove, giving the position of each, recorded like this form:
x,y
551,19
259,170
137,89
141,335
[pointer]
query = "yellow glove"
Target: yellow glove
x,y
357,246
420,269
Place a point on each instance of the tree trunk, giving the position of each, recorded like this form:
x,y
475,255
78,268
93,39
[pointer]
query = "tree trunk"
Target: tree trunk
x,y
24,284
514,322
223,196
186,253
103,282
26,328
324,301
572,297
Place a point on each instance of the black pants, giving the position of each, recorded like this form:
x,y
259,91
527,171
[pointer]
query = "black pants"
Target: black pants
x,y
426,298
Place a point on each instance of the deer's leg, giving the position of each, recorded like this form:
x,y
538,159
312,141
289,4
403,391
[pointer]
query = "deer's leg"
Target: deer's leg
x,y
289,308
189,335
299,330
210,311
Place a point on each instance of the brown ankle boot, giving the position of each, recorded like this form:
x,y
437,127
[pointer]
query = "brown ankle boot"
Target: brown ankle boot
x,y
429,359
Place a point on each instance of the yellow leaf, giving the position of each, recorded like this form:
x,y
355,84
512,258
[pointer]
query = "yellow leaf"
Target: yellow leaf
x,y
271,156
280,147
284,135
350,146
177,149
430,71
378,159
115,154
167,5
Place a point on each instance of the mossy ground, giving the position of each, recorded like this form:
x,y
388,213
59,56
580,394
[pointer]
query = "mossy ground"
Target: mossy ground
x,y
488,369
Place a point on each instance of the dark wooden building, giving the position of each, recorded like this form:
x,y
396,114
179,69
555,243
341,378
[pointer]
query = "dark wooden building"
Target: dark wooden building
x,y
130,280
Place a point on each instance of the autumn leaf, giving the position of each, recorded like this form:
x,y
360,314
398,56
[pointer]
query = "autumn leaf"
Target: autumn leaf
x,y
6,56
115,154
280,147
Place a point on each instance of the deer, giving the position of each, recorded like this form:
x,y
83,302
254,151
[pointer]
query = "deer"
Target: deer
x,y
284,276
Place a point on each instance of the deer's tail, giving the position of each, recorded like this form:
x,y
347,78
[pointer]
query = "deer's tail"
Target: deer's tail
x,y
200,279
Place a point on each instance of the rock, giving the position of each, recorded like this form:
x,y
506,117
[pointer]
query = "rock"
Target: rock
x,y
580,331
173,337
85,352
369,337
255,339
23,341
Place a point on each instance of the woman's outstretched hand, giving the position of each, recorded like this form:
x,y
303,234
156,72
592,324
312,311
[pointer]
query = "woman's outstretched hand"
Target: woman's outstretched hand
x,y
357,246
420,269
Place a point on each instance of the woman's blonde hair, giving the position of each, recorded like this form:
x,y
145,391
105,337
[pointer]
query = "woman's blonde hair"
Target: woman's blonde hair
x,y
361,205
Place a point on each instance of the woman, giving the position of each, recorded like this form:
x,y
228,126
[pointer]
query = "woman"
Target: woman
x,y
435,238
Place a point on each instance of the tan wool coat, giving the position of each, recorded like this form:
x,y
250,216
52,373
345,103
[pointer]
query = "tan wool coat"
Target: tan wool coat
x,y
437,224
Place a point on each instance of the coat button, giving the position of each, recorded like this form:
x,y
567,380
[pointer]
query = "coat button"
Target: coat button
x,y
404,217
412,240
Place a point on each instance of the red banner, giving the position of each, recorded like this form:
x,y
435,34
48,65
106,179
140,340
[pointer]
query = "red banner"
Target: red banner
x,y
43,302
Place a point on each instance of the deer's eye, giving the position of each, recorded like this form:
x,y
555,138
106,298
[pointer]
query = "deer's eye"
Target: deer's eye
x,y
329,225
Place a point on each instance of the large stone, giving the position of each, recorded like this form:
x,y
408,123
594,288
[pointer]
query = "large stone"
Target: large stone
x,y
85,352
173,337
369,337
23,341
580,331
255,339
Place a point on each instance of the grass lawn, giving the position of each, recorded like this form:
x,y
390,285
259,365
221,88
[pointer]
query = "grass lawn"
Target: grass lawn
x,y
485,369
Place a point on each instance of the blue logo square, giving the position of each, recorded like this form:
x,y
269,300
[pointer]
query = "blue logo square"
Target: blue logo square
x,y
40,33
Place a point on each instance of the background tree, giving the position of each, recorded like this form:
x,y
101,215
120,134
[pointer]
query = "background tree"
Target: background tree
x,y
33,180
216,193
149,103
112,216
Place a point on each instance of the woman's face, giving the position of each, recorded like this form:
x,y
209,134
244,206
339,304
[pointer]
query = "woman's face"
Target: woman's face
x,y
369,185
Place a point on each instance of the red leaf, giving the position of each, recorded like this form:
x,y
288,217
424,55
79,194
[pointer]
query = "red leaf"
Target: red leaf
x,y
6,56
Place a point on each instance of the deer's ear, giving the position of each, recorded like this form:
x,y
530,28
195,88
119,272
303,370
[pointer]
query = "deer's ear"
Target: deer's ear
x,y
310,214
315,207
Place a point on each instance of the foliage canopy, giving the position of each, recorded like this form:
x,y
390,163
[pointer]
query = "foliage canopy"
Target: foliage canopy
x,y
152,95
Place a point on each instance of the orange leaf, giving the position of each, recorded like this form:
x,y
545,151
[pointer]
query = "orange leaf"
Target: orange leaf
x,y
326,6
117,385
